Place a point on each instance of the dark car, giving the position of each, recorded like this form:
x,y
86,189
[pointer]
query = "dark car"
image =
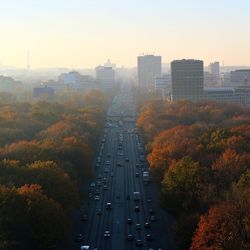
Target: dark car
x,y
99,212
151,211
137,209
79,238
149,237
130,237
108,206
84,217
139,243
152,218
129,221
147,225
138,226
106,234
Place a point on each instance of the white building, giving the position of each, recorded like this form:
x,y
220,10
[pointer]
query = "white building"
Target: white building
x,y
75,81
149,68
214,69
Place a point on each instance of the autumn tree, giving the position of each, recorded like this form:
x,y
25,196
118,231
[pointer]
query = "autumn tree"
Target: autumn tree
x,y
224,227
183,186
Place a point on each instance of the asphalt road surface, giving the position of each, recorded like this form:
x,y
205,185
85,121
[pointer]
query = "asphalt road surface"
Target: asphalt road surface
x,y
120,164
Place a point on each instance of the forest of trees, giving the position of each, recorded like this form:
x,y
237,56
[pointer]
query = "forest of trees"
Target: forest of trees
x,y
46,151
200,155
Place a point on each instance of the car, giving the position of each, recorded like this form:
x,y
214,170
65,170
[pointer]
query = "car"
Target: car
x,y
97,198
85,247
97,192
129,221
106,234
149,237
105,187
137,165
152,218
108,206
84,217
151,211
79,238
138,226
127,159
139,243
112,174
137,209
136,174
99,212
130,237
147,225
109,155
149,200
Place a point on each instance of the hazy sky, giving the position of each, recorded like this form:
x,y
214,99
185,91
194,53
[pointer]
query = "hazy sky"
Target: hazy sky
x,y
84,33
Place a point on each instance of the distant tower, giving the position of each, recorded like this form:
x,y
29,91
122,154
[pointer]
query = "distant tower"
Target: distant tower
x,y
28,60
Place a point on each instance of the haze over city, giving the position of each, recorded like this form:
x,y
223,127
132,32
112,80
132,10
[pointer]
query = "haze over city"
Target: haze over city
x,y
84,33
124,125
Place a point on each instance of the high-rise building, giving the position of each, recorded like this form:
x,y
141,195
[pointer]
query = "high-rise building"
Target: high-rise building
x,y
149,68
187,78
214,69
105,77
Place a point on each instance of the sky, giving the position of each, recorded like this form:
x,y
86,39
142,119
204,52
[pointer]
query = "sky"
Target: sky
x,y
85,33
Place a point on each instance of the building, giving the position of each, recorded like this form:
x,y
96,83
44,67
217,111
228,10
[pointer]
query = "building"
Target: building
x,y
187,84
163,83
214,69
240,78
149,68
211,80
44,93
105,77
75,81
187,77
109,64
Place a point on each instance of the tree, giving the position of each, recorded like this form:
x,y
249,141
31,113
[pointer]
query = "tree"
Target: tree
x,y
183,186
224,227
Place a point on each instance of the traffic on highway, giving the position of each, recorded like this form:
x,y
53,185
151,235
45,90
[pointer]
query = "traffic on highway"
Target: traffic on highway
x,y
122,211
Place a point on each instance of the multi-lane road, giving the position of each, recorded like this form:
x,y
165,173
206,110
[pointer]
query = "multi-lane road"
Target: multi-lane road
x,y
123,211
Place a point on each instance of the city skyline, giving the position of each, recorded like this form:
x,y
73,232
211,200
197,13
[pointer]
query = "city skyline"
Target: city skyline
x,y
83,34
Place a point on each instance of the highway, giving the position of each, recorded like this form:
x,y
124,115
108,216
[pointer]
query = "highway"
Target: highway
x,y
116,218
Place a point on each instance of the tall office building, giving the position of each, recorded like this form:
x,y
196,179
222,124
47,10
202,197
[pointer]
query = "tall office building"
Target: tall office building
x,y
214,69
187,78
149,68
105,77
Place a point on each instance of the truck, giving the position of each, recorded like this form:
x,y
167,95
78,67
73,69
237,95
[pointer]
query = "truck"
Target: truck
x,y
136,196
